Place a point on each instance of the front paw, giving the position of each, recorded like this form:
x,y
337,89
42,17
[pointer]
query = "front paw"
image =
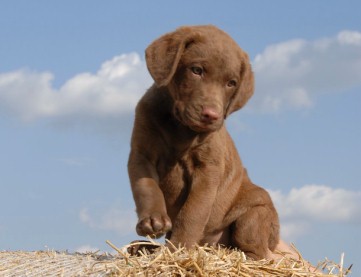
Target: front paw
x,y
154,225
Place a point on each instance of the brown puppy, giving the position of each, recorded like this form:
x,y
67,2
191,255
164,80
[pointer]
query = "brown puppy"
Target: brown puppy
x,y
187,178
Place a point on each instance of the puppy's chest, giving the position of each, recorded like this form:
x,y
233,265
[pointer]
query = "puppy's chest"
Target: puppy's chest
x,y
176,172
176,177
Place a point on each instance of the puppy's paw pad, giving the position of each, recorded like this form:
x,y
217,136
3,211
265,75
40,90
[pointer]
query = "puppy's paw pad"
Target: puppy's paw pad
x,y
154,225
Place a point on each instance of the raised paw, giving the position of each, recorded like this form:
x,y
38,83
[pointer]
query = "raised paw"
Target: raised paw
x,y
155,225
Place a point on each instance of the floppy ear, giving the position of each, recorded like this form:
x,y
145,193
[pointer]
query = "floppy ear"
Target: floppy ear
x,y
163,55
246,88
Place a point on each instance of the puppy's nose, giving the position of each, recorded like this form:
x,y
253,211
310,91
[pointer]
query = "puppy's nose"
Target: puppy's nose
x,y
209,115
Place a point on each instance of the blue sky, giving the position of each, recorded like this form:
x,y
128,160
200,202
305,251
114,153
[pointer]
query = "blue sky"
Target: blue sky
x,y
71,73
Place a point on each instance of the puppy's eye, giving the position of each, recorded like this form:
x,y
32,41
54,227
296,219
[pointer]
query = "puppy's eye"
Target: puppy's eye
x,y
232,83
197,70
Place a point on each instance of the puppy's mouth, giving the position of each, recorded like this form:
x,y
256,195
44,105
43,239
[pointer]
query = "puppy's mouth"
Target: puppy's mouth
x,y
198,122
203,128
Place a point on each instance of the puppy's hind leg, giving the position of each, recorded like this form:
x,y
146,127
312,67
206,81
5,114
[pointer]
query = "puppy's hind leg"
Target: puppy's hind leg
x,y
255,232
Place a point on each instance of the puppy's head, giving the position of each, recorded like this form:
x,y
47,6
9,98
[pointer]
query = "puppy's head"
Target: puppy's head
x,y
207,74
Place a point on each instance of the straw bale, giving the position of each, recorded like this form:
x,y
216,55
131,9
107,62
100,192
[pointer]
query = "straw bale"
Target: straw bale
x,y
199,261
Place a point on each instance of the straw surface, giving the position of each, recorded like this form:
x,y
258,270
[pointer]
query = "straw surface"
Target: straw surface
x,y
200,261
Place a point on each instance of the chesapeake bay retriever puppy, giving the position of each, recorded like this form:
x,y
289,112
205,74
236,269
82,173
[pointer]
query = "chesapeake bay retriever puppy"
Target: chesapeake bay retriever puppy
x,y
187,178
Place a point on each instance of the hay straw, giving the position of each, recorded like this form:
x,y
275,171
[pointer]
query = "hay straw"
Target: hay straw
x,y
199,261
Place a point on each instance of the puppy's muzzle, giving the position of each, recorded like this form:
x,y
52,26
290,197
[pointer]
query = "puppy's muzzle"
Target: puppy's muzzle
x,y
199,119
209,115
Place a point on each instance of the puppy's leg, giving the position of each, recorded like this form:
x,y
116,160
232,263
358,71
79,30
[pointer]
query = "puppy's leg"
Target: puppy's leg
x,y
153,219
283,249
256,231
189,225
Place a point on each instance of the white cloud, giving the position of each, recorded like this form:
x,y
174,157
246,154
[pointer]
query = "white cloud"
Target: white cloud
x,y
312,204
115,219
86,249
85,217
349,37
112,91
291,74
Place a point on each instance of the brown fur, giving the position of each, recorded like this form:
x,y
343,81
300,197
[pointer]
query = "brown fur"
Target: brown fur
x,y
187,178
